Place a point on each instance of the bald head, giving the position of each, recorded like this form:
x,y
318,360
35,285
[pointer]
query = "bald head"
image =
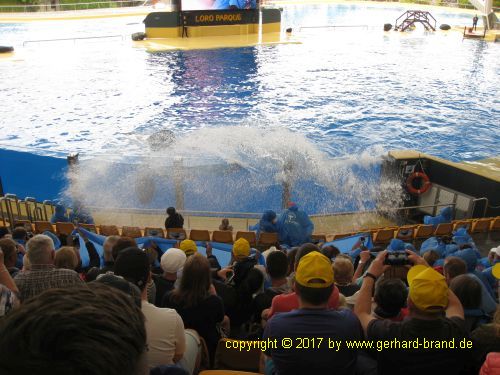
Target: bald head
x,y
40,250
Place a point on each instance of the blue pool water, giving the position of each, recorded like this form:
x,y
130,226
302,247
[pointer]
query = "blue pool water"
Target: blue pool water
x,y
349,94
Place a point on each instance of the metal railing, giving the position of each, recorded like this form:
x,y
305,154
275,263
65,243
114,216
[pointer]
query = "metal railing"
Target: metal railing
x,y
30,8
72,39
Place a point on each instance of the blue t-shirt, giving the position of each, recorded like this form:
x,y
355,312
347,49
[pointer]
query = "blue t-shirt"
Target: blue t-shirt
x,y
308,356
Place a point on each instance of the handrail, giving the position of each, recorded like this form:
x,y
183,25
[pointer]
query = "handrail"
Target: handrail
x,y
73,39
33,8
485,206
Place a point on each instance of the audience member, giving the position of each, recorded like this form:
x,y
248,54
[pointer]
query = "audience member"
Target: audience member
x,y
196,301
4,231
344,272
66,258
435,314
431,257
486,339
174,219
390,297
267,223
121,244
189,247
8,288
84,330
224,226
294,226
330,251
59,215
172,261
290,301
164,327
468,291
9,248
42,274
313,321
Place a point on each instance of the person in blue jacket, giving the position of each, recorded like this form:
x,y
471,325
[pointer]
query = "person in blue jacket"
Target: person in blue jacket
x,y
59,215
294,226
445,216
267,223
80,214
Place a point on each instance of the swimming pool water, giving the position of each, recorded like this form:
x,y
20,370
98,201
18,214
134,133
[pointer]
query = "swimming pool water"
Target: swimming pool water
x,y
346,90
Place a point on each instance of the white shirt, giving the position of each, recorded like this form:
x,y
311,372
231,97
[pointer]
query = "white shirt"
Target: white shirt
x,y
165,334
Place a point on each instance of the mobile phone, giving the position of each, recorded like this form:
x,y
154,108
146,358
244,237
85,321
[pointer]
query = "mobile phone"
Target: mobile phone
x,y
398,258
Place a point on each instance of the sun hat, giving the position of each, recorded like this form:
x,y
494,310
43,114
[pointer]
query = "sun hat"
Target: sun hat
x,y
172,260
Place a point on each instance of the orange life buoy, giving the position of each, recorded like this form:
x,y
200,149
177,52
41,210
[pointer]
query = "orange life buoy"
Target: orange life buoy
x,y
426,183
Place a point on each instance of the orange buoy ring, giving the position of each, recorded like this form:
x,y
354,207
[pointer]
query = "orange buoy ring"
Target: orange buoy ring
x,y
426,183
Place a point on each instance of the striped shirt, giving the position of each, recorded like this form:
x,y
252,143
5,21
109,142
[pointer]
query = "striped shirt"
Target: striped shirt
x,y
42,277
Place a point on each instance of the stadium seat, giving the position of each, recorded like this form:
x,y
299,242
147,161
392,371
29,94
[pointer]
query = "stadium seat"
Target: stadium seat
x,y
108,230
42,226
338,236
405,232
134,232
154,232
443,229
423,231
268,239
481,225
234,359
318,238
251,237
495,224
176,234
462,223
383,236
26,223
199,235
90,227
65,228
222,236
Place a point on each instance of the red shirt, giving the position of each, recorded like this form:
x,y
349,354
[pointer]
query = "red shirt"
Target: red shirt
x,y
288,302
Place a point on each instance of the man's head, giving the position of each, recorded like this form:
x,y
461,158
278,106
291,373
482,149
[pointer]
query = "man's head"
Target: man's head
x,y
90,331
189,247
330,251
468,291
303,251
20,234
170,211
133,265
390,296
343,270
173,260
66,258
431,257
428,291
277,265
9,248
121,244
241,248
107,247
314,279
40,250
453,267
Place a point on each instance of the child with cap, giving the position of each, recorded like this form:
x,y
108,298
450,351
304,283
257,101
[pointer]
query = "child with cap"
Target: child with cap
x,y
311,322
435,315
189,247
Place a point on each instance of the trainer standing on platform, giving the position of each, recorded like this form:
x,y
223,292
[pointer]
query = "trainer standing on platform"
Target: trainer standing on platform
x,y
474,22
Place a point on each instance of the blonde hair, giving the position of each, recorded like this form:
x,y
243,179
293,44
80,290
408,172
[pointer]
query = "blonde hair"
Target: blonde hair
x,y
343,270
66,258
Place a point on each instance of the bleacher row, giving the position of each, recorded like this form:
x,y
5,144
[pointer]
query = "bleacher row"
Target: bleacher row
x,y
380,236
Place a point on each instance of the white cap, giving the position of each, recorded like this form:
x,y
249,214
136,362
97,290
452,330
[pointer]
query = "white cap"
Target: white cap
x,y
496,250
173,260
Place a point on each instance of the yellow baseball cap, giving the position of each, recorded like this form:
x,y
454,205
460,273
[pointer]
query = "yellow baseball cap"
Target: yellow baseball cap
x,y
496,270
428,288
189,247
241,248
314,266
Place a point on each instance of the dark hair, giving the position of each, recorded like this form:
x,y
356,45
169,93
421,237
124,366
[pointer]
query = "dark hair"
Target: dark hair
x,y
19,233
468,291
330,251
277,264
133,265
291,259
195,282
431,257
390,297
74,331
454,266
304,250
314,296
121,244
248,286
9,248
4,231
170,211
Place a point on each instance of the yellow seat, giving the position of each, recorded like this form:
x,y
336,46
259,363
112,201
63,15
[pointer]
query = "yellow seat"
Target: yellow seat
x,y
405,232
90,227
42,226
495,224
462,223
251,237
24,223
423,231
268,239
338,236
443,229
199,235
318,238
481,225
234,359
222,236
383,236
108,230
65,228
154,232
134,232
176,234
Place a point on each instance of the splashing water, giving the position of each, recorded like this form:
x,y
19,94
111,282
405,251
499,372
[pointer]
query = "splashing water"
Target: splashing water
x,y
233,168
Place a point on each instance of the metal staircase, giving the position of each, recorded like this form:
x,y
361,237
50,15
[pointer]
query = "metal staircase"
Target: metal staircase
x,y
410,17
